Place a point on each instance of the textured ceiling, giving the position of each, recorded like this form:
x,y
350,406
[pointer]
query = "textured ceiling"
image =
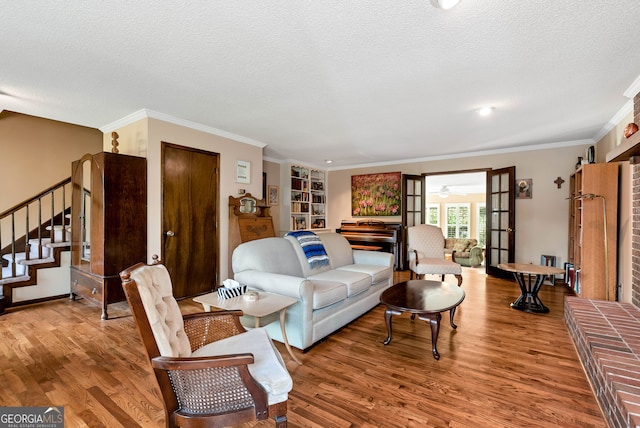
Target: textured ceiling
x,y
356,81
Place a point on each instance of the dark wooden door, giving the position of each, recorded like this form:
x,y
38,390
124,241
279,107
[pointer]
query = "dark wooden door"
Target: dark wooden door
x,y
501,220
412,209
190,218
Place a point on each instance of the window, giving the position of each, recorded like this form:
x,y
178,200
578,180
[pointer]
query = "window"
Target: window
x,y
481,225
433,214
457,220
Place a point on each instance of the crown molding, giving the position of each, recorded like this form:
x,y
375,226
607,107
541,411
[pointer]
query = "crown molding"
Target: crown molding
x,y
583,142
634,89
614,121
150,114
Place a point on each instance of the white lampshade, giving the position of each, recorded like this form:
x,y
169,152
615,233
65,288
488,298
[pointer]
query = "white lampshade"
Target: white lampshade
x,y
444,4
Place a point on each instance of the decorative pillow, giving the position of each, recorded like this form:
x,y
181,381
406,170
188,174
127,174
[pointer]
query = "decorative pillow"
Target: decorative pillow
x,y
449,243
472,243
461,245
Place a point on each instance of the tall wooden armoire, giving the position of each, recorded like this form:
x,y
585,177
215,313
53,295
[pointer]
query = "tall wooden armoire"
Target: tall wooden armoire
x,y
108,224
593,230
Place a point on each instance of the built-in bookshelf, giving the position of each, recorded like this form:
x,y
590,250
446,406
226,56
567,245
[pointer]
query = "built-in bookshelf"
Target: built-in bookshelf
x,y
307,198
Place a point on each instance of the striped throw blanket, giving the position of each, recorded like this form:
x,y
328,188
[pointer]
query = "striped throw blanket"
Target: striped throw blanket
x,y
312,247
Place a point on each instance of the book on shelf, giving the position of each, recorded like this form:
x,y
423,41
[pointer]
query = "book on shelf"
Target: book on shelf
x,y
299,207
298,223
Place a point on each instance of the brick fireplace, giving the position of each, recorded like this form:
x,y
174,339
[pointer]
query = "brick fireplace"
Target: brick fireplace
x,y
607,334
635,221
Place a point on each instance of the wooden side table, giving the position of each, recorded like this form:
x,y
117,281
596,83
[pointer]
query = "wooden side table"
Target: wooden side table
x,y
529,300
267,304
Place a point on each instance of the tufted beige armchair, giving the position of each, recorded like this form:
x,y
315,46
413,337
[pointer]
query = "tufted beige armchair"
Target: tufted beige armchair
x,y
211,371
426,253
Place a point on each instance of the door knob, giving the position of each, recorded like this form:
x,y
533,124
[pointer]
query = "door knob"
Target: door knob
x,y
169,233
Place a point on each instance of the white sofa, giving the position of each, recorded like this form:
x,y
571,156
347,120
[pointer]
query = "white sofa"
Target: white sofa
x,y
329,297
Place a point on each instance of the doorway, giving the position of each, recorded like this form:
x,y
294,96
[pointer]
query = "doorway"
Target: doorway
x,y
456,203
190,218
477,204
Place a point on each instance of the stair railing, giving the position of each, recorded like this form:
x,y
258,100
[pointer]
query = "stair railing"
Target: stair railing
x,y
57,202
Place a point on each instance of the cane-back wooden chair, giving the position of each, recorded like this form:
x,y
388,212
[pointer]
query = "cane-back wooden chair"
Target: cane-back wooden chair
x,y
210,370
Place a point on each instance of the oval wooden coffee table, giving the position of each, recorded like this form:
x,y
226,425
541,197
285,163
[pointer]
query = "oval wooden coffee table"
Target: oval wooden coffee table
x,y
427,300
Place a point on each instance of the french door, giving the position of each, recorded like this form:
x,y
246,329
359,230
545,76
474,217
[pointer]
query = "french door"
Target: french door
x,y
501,220
500,214
412,209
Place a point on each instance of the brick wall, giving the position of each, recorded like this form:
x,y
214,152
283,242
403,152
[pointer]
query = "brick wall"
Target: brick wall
x,y
635,221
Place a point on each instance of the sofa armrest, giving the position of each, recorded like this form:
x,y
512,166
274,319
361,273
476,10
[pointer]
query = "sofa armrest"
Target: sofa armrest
x,y
378,258
292,286
475,255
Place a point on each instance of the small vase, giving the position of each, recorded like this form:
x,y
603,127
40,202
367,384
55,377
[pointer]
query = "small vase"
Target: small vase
x,y
630,129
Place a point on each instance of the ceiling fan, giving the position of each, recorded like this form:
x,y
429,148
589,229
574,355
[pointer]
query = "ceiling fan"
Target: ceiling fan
x,y
445,191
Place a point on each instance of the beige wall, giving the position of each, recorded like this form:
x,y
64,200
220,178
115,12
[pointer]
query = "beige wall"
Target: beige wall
x,y
541,222
145,137
36,153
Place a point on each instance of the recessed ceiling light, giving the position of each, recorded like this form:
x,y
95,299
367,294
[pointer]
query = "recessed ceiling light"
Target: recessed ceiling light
x,y
444,4
485,111
328,161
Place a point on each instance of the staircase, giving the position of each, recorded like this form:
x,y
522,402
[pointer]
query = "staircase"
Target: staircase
x,y
33,236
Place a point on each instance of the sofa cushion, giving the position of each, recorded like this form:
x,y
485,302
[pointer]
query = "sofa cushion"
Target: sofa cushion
x,y
428,266
377,273
327,293
338,248
356,282
266,255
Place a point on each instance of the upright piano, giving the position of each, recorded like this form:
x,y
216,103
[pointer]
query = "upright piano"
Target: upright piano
x,y
374,235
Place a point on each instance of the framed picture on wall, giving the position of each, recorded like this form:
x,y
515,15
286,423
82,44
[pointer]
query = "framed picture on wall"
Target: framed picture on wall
x,y
273,194
243,172
524,188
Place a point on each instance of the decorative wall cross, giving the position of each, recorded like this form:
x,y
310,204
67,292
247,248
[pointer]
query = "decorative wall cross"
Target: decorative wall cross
x,y
559,182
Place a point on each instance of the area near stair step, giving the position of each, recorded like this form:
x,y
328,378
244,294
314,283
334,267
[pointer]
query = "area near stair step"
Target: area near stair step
x,y
61,232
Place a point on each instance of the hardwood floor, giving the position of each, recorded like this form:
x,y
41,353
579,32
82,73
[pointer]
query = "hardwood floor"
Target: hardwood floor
x,y
501,368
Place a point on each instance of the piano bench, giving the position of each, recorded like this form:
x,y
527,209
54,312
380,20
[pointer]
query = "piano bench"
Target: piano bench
x,y
366,247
